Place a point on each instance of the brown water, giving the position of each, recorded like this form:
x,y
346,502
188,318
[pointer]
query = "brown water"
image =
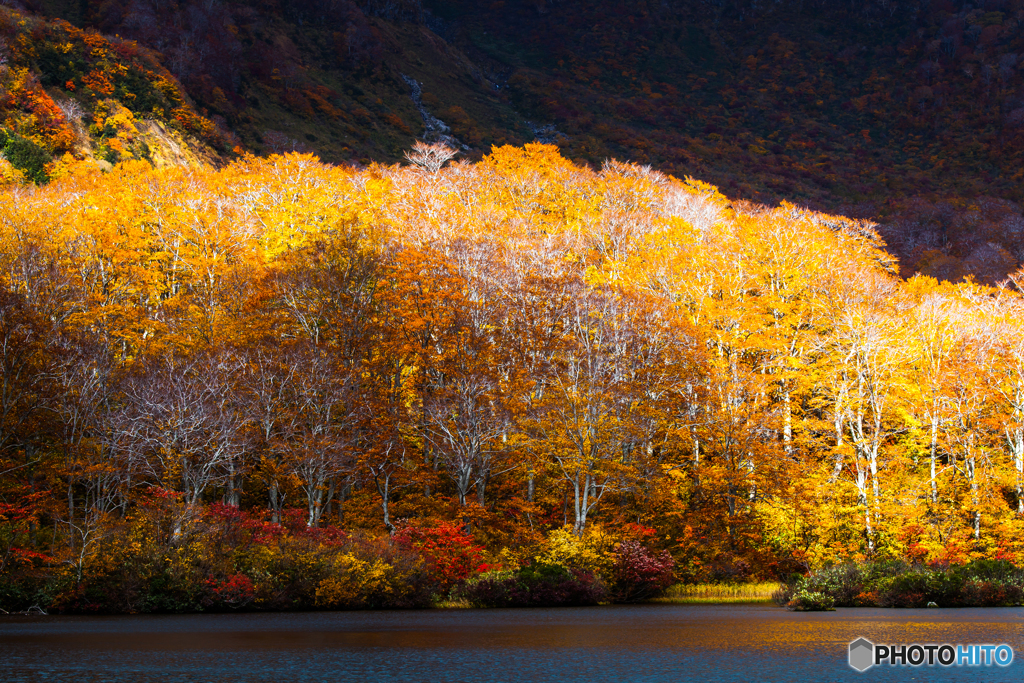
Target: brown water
x,y
621,643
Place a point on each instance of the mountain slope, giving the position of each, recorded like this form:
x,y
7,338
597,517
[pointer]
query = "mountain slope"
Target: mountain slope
x,y
323,76
822,101
260,77
907,113
68,95
872,108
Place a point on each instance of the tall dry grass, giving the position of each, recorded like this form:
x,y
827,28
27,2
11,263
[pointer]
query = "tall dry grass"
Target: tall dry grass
x,y
716,593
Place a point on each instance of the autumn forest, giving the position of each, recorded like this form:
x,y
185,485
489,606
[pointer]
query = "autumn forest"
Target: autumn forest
x,y
349,304
212,377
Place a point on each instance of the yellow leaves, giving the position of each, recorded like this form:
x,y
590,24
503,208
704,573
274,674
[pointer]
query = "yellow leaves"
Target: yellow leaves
x,y
699,187
70,167
676,473
620,327
533,157
611,274
536,186
355,582
295,200
18,81
594,551
122,120
10,177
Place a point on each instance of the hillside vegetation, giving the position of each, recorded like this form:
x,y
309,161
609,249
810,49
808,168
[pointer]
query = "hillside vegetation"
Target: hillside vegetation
x,y
70,98
784,100
226,387
330,76
909,114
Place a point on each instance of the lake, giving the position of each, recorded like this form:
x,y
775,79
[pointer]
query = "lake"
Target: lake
x,y
617,643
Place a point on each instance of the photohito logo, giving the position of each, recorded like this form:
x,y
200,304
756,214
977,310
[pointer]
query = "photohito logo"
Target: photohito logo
x,y
864,654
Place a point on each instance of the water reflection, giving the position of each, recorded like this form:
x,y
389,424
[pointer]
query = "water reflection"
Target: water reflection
x,y
642,643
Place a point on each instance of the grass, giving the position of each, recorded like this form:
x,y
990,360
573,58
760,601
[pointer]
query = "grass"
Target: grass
x,y
684,594
719,593
453,603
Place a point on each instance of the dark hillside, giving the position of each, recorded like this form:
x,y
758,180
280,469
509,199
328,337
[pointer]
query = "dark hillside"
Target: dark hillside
x,y
852,106
323,76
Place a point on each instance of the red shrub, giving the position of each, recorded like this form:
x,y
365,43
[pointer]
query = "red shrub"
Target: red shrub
x,y
639,574
232,592
451,552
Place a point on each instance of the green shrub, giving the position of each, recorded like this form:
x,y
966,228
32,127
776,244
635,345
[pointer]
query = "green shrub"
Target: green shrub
x,y
982,583
874,572
536,585
26,156
809,601
842,583
907,590
992,570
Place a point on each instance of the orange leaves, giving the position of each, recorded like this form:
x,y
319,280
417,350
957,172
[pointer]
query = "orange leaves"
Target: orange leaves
x,y
525,328
197,125
10,176
535,157
26,108
98,82
294,200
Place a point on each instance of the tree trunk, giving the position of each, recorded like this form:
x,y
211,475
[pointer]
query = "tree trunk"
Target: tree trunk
x,y
275,502
934,448
975,498
481,486
1015,439
233,497
581,489
383,482
787,427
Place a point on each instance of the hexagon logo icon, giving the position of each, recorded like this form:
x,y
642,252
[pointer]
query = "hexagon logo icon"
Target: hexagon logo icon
x,y
862,653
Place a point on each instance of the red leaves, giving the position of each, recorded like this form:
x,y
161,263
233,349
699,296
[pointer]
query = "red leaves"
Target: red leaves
x,y
637,531
160,493
13,513
447,547
243,528
15,520
639,574
235,591
98,82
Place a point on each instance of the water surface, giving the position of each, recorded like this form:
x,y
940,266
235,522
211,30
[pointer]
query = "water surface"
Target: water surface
x,y
620,643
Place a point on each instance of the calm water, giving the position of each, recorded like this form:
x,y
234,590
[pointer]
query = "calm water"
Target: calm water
x,y
643,643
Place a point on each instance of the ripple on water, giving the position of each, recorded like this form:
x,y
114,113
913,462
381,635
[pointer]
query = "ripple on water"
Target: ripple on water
x,y
623,643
